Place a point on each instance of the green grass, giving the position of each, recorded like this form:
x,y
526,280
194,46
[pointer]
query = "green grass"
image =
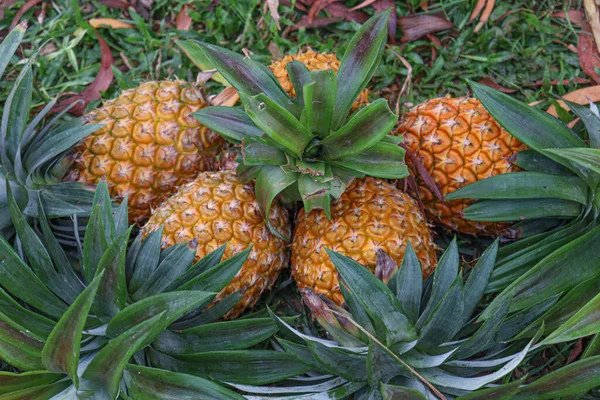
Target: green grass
x,y
525,48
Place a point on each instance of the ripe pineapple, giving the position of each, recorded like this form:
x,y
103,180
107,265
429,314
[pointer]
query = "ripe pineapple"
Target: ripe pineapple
x,y
314,62
149,145
215,209
459,143
371,215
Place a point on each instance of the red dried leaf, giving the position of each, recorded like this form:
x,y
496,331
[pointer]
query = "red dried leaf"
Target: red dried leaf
x,y
577,350
589,58
575,16
489,81
383,5
436,43
419,25
341,11
317,7
100,84
477,10
363,4
183,22
26,7
423,173
121,4
316,23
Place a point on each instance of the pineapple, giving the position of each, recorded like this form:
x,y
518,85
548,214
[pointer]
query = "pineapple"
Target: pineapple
x,y
314,62
458,143
370,216
309,148
217,209
554,197
149,145
125,325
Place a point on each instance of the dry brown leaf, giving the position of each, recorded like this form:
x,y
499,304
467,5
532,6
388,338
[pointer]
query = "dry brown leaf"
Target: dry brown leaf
x,y
92,92
419,25
575,16
436,44
489,81
383,5
26,7
477,10
581,96
340,10
589,58
485,15
110,22
317,7
228,97
363,5
121,4
183,22
273,6
593,16
316,23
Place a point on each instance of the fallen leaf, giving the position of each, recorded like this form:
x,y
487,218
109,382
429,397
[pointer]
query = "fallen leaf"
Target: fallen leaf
x,y
363,5
419,25
316,23
489,81
577,350
593,16
340,10
24,8
273,5
228,97
575,16
5,5
274,50
383,5
183,22
477,10
485,15
564,82
121,4
110,22
317,7
101,83
436,44
588,55
581,96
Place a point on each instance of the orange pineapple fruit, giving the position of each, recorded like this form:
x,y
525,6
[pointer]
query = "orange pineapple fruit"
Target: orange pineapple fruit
x,y
370,215
149,145
459,143
314,62
216,208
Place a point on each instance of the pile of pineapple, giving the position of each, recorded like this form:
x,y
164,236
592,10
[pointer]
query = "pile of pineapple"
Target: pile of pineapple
x,y
135,243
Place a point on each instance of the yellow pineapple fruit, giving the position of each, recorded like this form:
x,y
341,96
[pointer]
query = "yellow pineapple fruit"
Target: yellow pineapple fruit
x,y
314,62
458,143
370,215
149,145
216,208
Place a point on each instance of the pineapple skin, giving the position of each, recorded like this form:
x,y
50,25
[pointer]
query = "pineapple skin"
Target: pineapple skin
x,y
149,145
459,143
370,215
217,208
314,62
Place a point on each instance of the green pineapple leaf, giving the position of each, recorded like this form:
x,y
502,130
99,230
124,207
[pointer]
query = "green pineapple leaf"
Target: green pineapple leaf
x,y
11,382
407,284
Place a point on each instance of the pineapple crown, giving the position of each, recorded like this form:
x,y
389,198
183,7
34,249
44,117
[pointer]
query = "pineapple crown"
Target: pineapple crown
x,y
556,199
83,332
307,148
400,337
31,156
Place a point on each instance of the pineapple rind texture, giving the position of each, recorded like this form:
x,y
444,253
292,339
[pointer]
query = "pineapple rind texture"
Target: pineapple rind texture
x,y
149,146
370,215
217,208
314,62
459,143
